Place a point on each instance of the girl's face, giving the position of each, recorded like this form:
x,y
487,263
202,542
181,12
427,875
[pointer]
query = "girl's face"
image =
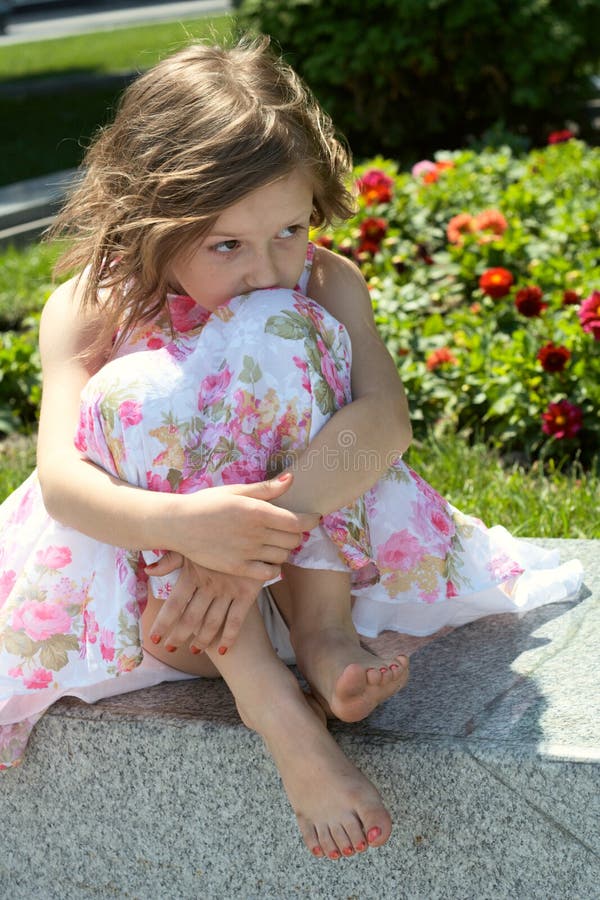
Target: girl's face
x,y
259,242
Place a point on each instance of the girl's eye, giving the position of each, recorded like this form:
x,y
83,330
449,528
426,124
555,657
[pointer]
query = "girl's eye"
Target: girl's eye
x,y
225,246
289,231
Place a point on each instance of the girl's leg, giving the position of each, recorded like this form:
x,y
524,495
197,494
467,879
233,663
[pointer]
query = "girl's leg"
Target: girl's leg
x,y
348,679
338,810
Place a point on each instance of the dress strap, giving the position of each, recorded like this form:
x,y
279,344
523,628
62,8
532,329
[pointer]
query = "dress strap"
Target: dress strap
x,y
302,285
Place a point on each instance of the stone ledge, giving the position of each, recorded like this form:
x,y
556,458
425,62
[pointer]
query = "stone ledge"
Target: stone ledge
x,y
488,761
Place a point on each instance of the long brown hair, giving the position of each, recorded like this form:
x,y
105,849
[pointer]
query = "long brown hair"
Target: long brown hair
x,y
193,135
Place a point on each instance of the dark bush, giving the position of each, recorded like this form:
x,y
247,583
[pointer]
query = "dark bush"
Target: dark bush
x,y
406,77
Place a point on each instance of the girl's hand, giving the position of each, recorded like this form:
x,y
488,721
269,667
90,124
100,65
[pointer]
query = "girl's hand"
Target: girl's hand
x,y
202,605
236,529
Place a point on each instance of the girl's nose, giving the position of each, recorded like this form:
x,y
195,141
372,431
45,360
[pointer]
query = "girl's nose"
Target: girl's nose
x,y
263,273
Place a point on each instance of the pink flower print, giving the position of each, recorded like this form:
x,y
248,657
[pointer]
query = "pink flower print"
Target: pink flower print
x,y
213,387
40,621
244,471
155,343
451,590
38,680
7,583
23,509
130,413
303,366
186,313
433,523
54,557
16,672
107,644
425,488
157,483
503,567
331,376
401,551
90,626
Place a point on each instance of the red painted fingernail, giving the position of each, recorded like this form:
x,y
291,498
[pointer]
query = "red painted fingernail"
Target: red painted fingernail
x,y
335,854
283,477
195,650
306,535
222,651
348,851
373,834
155,638
362,846
170,648
316,851
299,547
153,565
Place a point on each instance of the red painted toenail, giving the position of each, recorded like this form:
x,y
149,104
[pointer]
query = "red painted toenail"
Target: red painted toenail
x,y
348,851
195,650
222,651
170,648
335,854
155,638
383,669
373,834
316,851
393,667
362,846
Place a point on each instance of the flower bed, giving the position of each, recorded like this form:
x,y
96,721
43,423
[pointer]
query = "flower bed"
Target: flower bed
x,y
485,280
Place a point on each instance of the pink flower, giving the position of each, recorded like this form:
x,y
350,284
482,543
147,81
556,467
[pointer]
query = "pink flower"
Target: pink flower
x,y
130,413
155,343
38,680
331,376
53,557
562,420
22,511
90,626
589,315
451,590
401,551
375,186
40,621
186,313
213,387
503,567
16,672
559,137
422,167
7,583
157,483
107,644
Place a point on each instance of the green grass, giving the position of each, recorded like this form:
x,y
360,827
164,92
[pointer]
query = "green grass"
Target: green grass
x,y
123,49
50,131
530,504
25,281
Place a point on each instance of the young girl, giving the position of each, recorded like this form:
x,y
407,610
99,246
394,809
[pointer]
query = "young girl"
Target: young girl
x,y
247,431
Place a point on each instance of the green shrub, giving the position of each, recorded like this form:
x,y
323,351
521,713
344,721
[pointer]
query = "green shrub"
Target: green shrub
x,y
470,361
20,379
406,77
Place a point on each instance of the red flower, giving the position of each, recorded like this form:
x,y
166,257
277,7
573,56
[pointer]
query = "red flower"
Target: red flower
x,y
553,357
496,282
571,298
373,230
371,247
376,187
529,301
562,419
459,226
440,357
559,137
589,315
324,241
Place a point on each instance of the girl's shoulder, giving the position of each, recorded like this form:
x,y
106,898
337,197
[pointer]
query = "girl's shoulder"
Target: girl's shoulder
x,y
336,282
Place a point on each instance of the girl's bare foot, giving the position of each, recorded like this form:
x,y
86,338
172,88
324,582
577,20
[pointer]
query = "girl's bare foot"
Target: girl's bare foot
x,y
339,811
348,679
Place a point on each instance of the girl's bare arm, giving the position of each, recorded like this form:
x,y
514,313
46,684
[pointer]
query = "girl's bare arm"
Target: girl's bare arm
x,y
357,445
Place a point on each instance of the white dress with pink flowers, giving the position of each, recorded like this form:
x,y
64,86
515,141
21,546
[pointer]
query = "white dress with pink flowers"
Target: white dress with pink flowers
x,y
225,398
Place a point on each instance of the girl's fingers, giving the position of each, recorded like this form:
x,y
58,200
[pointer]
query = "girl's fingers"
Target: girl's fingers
x,y
259,571
235,619
192,618
212,623
172,608
169,562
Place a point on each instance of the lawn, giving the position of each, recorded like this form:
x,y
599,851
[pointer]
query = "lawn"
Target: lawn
x,y
62,122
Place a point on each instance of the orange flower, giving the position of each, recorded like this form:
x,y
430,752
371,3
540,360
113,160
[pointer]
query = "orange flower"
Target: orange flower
x,y
496,282
492,222
459,226
440,357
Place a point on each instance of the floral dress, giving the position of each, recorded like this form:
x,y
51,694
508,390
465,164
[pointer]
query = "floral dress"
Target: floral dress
x,y
196,399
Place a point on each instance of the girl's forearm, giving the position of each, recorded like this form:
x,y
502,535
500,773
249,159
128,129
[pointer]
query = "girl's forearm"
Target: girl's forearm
x,y
348,456
89,499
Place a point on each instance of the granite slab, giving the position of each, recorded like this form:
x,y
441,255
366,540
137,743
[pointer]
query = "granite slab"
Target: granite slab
x,y
489,762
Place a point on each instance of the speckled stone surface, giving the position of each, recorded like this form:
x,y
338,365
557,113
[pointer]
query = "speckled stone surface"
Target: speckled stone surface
x,y
489,761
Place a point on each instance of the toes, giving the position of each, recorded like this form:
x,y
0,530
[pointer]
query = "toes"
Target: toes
x,y
377,826
327,842
373,677
342,840
311,839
